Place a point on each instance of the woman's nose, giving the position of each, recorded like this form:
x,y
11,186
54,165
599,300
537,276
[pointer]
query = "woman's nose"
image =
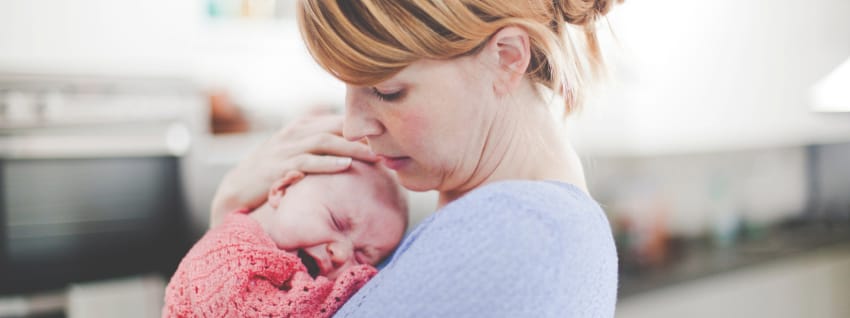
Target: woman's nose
x,y
359,121
340,252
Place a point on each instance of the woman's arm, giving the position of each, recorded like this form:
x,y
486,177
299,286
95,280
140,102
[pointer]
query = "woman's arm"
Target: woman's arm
x,y
312,144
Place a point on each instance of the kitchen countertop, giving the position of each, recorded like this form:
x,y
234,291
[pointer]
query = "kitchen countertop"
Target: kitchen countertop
x,y
695,259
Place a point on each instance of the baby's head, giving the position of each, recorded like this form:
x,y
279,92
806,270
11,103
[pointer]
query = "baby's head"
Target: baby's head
x,y
335,221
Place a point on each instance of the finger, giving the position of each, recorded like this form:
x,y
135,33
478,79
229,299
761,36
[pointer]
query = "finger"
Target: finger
x,y
309,163
328,144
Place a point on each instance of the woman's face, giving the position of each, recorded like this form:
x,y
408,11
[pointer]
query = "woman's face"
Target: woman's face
x,y
430,122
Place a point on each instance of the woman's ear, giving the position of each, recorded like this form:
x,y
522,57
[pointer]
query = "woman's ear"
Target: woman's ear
x,y
511,49
278,189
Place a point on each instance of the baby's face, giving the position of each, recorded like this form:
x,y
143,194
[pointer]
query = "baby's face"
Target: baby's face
x,y
336,221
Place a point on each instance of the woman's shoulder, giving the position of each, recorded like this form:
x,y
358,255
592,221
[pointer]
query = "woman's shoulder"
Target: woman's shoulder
x,y
550,222
517,214
542,200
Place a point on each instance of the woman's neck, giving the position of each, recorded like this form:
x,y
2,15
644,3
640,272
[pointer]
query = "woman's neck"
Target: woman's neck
x,y
526,142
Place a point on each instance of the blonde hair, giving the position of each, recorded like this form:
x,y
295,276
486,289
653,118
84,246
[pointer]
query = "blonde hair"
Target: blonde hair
x,y
365,42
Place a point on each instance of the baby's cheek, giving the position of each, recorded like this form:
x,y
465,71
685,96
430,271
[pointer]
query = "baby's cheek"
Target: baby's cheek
x,y
280,234
265,220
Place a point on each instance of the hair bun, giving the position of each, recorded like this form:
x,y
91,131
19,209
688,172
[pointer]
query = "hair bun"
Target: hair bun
x,y
584,12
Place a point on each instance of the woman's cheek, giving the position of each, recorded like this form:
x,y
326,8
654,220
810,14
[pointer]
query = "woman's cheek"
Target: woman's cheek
x,y
412,129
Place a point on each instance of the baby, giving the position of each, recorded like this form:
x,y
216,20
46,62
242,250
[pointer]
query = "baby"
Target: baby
x,y
302,253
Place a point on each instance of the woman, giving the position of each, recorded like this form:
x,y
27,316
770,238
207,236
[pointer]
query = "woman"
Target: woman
x,y
454,96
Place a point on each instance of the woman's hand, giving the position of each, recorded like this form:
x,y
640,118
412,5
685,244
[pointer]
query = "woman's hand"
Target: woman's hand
x,y
311,144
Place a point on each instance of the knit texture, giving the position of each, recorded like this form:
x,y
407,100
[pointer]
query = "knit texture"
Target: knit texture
x,y
507,249
236,270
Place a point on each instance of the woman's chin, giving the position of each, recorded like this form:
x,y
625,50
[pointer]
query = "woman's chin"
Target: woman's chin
x,y
416,183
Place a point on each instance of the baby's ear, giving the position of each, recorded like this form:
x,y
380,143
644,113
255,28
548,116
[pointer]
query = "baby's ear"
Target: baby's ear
x,y
278,189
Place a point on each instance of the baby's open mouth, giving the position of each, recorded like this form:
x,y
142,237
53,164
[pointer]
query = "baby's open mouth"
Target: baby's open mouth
x,y
309,263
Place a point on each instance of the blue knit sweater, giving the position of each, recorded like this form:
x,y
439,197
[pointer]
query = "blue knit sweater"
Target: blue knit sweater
x,y
507,249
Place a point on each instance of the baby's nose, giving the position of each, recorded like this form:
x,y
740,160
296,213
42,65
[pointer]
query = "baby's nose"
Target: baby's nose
x,y
340,252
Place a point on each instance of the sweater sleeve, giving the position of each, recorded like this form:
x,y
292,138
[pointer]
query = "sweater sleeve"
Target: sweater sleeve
x,y
518,249
236,270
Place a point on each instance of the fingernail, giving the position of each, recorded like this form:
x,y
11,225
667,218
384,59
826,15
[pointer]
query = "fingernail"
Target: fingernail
x,y
343,161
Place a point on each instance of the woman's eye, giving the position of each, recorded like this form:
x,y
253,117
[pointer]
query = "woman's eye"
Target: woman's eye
x,y
386,97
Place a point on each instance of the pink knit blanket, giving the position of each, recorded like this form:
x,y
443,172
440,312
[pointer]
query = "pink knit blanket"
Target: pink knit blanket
x,y
236,270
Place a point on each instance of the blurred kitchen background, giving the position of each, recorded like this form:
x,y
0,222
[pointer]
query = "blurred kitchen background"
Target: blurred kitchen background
x,y
719,147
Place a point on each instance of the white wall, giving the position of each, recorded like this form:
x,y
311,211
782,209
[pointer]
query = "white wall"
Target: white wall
x,y
693,75
263,63
97,36
697,75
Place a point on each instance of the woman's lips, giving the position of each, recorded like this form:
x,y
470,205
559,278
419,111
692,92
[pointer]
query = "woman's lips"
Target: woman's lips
x,y
395,163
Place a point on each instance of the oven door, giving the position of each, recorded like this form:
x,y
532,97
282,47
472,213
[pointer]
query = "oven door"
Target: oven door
x,y
85,204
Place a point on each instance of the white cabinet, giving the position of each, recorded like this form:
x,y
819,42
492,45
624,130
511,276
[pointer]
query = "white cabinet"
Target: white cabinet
x,y
816,284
